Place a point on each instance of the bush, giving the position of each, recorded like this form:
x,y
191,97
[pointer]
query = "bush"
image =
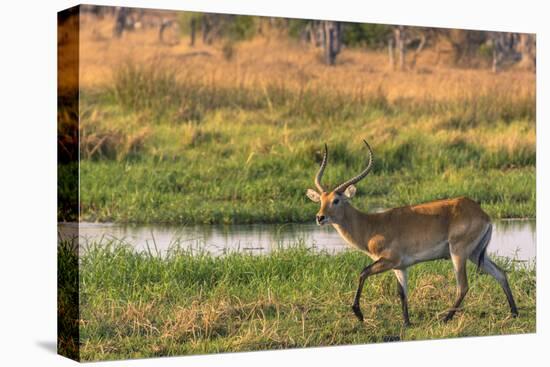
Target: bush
x,y
231,27
297,26
242,27
370,35
140,86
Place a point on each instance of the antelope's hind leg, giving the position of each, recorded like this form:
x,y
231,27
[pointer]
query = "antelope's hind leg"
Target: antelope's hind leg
x,y
489,267
459,265
480,258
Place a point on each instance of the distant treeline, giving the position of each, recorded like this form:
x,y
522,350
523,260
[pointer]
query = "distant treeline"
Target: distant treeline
x,y
466,48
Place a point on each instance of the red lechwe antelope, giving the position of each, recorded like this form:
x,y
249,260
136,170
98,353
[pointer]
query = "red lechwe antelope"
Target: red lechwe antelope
x,y
398,238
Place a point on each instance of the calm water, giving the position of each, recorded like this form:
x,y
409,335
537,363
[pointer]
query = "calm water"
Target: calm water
x,y
515,239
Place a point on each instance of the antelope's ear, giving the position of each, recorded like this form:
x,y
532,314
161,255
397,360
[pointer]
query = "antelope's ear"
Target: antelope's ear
x,y
350,191
313,195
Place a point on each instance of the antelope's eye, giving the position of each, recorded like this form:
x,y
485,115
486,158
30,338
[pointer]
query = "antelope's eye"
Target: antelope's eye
x,y
336,201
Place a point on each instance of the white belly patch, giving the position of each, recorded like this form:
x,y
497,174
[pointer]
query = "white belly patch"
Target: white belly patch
x,y
440,250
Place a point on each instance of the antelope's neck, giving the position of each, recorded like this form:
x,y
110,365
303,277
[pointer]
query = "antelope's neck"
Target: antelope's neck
x,y
353,228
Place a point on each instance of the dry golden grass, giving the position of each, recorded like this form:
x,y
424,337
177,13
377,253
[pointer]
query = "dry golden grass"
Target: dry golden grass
x,y
270,60
68,56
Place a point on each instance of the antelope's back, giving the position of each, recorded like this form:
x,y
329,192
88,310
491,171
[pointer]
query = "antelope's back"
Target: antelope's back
x,y
435,221
452,211
423,232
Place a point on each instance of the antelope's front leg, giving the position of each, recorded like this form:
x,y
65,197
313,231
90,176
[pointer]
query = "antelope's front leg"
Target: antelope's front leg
x,y
402,290
379,266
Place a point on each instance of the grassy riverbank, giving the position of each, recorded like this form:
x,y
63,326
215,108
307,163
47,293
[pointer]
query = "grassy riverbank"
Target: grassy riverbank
x,y
247,159
137,305
183,135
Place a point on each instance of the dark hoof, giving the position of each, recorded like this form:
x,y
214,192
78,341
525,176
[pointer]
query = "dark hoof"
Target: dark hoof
x,y
357,312
448,318
515,313
391,338
406,323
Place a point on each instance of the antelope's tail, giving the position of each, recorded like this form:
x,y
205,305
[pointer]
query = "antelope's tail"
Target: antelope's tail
x,y
481,248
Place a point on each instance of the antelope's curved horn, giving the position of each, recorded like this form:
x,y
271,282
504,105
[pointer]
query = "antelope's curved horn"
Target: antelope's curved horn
x,y
319,175
342,187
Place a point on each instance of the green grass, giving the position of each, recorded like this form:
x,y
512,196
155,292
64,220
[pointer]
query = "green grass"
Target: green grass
x,y
161,148
67,300
135,305
203,193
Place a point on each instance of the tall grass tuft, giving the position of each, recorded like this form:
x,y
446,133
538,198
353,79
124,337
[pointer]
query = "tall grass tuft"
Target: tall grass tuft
x,y
145,86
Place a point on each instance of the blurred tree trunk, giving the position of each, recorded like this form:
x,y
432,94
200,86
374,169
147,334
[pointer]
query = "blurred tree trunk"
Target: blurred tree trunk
x,y
418,50
163,25
399,37
192,33
497,53
332,40
402,39
465,45
505,49
206,29
391,45
397,43
311,33
120,21
527,49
